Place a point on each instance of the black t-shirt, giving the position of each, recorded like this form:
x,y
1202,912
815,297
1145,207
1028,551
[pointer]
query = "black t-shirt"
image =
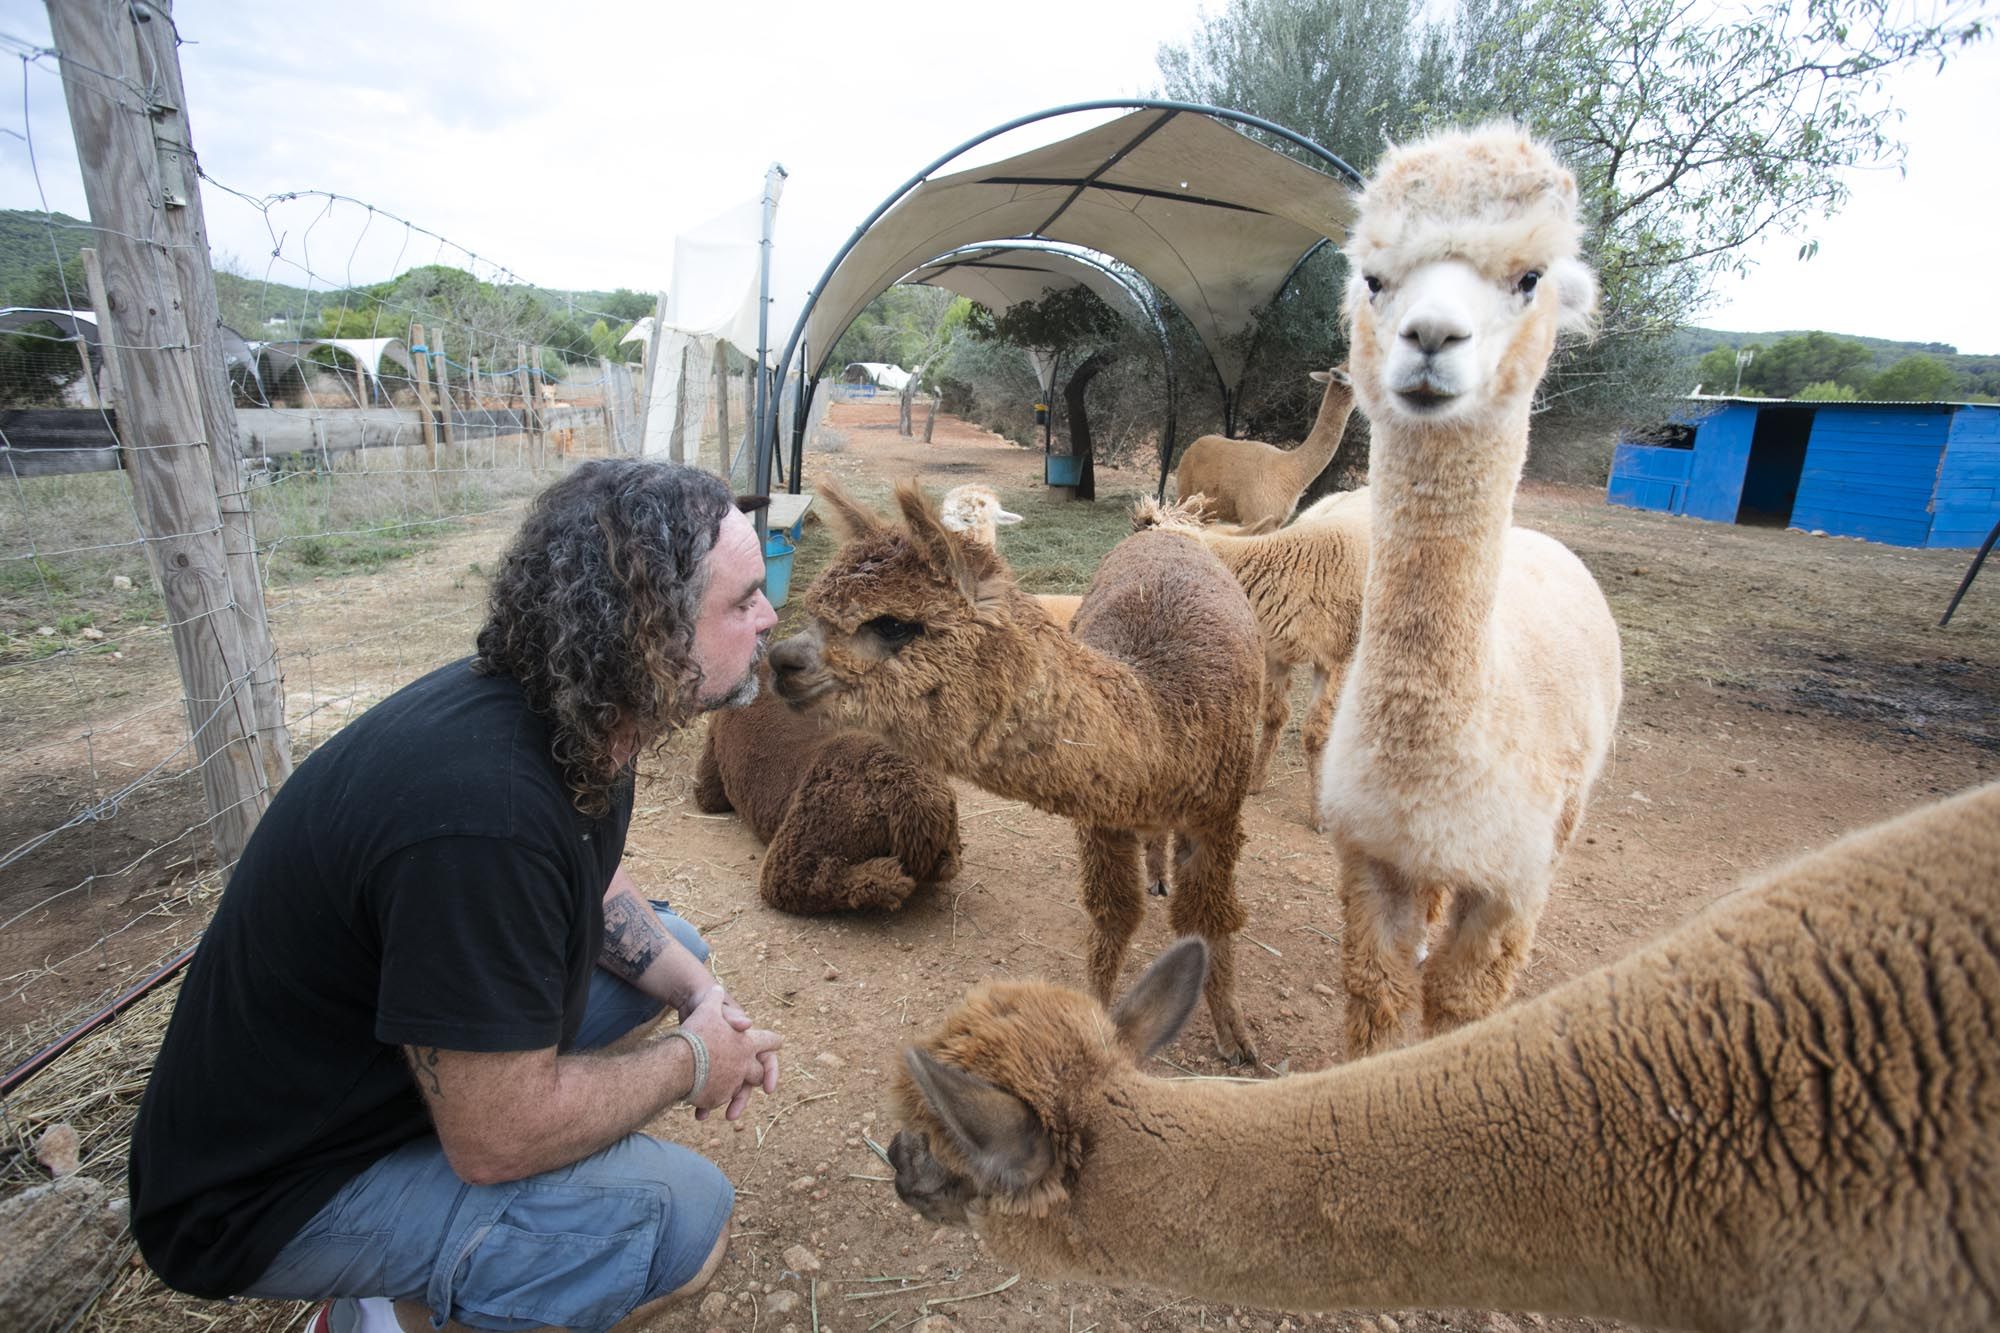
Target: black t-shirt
x,y
422,879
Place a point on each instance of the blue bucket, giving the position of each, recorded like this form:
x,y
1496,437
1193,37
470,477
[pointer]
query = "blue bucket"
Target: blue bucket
x,y
778,550
1062,469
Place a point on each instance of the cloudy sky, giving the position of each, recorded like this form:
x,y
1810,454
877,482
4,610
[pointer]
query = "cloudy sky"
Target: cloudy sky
x,y
571,142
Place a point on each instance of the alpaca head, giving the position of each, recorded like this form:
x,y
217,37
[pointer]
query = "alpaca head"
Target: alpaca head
x,y
1464,264
975,511
994,1102
907,625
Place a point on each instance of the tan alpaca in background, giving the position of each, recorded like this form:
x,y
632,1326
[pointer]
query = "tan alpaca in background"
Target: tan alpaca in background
x,y
1782,1117
977,512
1247,481
1485,687
1138,722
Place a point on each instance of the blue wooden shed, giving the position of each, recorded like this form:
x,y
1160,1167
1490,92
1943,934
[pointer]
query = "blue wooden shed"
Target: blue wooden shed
x,y
1910,474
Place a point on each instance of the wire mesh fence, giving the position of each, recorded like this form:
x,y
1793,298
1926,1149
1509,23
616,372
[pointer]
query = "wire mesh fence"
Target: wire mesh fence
x,y
393,398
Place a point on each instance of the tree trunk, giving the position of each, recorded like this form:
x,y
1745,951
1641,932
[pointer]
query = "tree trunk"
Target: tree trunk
x,y
930,420
1079,422
903,414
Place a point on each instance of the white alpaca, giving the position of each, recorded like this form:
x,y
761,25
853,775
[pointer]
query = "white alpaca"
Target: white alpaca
x,y
1784,1116
1485,687
977,512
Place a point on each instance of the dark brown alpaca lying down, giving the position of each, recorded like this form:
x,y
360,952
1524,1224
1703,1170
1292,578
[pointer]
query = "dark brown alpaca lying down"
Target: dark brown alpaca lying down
x,y
1784,1115
851,824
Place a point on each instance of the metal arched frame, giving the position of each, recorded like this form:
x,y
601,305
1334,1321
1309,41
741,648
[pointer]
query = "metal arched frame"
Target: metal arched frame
x,y
767,429
1130,280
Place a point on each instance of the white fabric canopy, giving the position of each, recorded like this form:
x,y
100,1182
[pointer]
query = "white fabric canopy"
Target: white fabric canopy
x,y
1214,219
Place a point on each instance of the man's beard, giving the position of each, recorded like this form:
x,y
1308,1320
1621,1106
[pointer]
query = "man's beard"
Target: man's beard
x,y
746,689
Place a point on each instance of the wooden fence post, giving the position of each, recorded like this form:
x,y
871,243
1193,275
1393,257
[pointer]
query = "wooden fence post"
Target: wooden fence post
x,y
421,378
107,346
527,382
444,398
134,155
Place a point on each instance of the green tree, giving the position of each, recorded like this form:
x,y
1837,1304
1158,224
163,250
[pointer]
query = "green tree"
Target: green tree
x,y
1693,130
1916,378
1717,371
1826,391
1789,364
1073,326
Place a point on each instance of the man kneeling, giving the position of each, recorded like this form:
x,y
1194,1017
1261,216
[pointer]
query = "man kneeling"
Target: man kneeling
x,y
384,1079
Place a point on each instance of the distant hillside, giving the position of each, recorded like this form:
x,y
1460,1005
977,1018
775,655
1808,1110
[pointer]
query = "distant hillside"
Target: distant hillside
x,y
29,244
1973,369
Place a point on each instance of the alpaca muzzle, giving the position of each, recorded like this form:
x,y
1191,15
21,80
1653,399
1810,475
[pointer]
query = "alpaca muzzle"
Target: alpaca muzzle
x,y
938,1193
798,673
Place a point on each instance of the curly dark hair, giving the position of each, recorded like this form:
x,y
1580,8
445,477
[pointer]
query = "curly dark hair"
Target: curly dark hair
x,y
594,607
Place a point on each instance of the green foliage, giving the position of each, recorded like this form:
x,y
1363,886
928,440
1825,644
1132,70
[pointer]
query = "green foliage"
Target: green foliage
x,y
1826,391
1693,130
32,244
1788,365
1066,323
1917,378
905,326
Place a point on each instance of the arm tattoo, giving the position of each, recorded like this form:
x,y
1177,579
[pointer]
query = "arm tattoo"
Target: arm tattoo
x,y
633,938
423,1063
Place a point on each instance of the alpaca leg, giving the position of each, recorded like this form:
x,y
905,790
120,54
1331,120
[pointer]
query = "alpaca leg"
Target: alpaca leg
x,y
1204,904
1112,897
709,797
1312,734
1156,865
1277,704
1472,973
1384,923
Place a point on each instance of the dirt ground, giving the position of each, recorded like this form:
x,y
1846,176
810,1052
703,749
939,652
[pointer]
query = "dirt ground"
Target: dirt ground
x,y
1781,689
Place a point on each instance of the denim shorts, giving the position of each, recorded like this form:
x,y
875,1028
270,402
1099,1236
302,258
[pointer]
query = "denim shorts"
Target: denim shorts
x,y
579,1248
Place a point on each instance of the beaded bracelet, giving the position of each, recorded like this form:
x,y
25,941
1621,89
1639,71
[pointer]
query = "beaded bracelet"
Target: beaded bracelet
x,y
700,1053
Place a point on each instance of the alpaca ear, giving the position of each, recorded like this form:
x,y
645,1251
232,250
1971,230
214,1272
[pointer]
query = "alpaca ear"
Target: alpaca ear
x,y
998,1134
1154,1010
944,552
1319,377
1576,294
849,518
1006,518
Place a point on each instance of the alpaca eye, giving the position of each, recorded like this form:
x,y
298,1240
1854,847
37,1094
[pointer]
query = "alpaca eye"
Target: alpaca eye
x,y
892,631
1374,284
1526,285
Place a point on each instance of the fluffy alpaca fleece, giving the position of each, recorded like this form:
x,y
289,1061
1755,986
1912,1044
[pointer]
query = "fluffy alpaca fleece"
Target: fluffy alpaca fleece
x,y
1485,686
1304,583
1783,1116
1137,723
1246,481
977,512
852,825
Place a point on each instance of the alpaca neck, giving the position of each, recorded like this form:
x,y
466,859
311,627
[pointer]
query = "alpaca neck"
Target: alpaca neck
x,y
1442,500
1438,1176
1076,731
1311,457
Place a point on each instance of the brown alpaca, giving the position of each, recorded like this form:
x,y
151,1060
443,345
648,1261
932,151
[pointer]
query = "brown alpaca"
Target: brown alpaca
x,y
1785,1115
852,825
1246,481
1304,583
1484,691
1137,723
